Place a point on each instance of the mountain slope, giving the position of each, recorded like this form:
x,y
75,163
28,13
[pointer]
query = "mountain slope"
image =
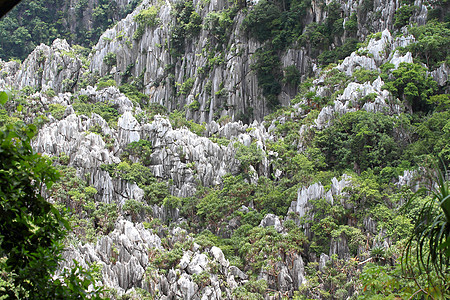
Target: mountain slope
x,y
293,185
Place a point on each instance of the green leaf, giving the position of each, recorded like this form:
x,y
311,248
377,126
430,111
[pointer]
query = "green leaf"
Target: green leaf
x,y
19,108
3,98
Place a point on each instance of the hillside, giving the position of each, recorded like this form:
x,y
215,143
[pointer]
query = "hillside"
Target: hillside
x,y
238,150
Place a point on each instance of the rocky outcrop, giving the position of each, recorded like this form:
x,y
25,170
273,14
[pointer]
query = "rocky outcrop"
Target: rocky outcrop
x,y
177,154
54,67
440,75
317,191
184,157
366,96
214,88
127,254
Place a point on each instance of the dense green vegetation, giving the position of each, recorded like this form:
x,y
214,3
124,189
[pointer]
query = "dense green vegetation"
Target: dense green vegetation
x,y
31,23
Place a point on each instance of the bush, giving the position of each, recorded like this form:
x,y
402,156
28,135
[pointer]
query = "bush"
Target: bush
x,y
194,106
403,14
110,59
292,76
104,84
248,156
267,67
141,149
188,25
263,21
132,92
105,110
57,110
432,43
135,208
186,86
360,139
146,18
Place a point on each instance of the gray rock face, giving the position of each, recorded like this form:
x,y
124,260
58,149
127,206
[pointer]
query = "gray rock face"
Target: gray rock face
x,y
220,257
324,259
110,95
232,87
272,220
227,88
317,191
55,67
125,257
178,154
378,51
122,255
339,247
441,75
185,157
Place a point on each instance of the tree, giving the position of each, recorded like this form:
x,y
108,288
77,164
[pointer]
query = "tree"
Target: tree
x,y
412,85
31,229
263,21
432,42
360,139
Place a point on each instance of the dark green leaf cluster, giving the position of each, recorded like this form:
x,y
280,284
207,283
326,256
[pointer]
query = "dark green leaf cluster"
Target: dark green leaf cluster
x,y
110,59
430,240
88,217
141,149
412,85
432,43
361,140
220,25
106,110
155,190
30,227
133,93
403,14
146,18
267,66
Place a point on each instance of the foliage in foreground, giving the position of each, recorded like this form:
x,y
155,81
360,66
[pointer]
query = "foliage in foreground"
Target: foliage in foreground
x,y
31,229
429,243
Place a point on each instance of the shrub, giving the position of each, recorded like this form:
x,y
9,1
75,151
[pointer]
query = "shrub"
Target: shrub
x,y
186,86
110,59
432,43
263,21
146,18
31,228
57,110
267,68
50,93
359,139
104,84
141,149
403,14
248,155
194,106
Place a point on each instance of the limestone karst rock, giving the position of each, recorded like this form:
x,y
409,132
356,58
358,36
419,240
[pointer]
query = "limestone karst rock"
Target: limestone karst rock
x,y
220,88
